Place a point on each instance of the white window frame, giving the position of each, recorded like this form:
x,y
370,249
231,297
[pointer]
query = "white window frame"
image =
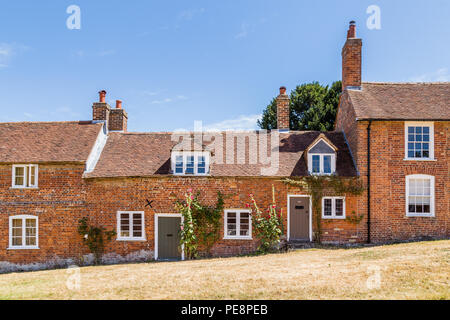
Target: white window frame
x,y
131,237
185,154
27,173
432,195
333,208
238,224
321,155
23,217
420,124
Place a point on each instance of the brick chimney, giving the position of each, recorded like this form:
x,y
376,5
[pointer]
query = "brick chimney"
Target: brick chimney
x,y
283,110
351,59
101,110
118,118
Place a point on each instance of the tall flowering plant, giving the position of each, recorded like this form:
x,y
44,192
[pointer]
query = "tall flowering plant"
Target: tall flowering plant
x,y
187,232
268,227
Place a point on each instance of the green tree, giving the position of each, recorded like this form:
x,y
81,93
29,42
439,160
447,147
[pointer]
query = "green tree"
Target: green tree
x,y
312,107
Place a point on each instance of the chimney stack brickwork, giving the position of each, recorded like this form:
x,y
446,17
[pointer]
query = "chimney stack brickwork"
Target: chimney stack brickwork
x,y
351,59
116,119
283,110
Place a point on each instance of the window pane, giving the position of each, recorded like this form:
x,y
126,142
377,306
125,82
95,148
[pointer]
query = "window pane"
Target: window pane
x,y
339,207
244,224
327,207
19,176
201,164
231,223
418,129
426,130
124,225
32,176
16,232
327,164
137,225
410,129
190,164
316,164
179,164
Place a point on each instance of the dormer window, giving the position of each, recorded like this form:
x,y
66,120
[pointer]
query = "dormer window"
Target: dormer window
x,y
321,157
190,163
25,176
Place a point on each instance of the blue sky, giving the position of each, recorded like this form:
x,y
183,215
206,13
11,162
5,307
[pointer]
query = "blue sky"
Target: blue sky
x,y
221,62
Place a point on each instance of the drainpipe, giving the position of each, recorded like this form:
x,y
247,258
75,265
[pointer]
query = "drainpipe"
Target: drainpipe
x,y
368,181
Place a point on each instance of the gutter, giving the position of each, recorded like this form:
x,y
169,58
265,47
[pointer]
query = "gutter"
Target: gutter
x,y
400,119
368,180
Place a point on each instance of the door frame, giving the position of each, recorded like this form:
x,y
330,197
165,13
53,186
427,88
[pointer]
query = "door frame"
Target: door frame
x,y
289,196
170,215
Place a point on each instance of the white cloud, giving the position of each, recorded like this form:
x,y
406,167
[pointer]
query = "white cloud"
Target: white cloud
x,y
8,51
440,75
190,13
242,122
168,100
106,53
244,31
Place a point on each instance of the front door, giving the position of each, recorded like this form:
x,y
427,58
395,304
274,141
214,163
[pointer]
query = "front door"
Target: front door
x,y
169,238
299,218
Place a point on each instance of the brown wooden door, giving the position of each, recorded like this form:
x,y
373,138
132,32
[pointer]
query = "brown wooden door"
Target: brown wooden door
x,y
299,218
169,238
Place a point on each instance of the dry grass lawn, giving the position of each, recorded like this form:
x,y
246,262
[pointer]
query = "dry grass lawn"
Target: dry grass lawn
x,y
405,271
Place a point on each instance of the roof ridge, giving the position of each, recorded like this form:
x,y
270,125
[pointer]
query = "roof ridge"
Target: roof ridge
x,y
412,83
193,132
49,122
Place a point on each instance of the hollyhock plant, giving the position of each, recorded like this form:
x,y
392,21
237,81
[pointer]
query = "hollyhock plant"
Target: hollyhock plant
x,y
267,228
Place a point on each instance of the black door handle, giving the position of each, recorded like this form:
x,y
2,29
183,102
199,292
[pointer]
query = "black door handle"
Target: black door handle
x,y
170,235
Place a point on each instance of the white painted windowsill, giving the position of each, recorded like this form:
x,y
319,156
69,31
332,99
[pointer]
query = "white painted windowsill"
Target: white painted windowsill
x,y
22,248
419,159
420,215
25,188
131,239
237,238
328,217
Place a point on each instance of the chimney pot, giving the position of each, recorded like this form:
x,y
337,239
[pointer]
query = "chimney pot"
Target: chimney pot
x,y
351,34
102,95
118,104
283,90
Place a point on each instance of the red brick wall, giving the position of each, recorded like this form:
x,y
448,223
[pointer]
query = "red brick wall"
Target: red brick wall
x,y
59,202
63,198
388,175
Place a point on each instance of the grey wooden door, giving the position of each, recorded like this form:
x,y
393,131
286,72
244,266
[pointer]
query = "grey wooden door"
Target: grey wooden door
x,y
169,238
299,218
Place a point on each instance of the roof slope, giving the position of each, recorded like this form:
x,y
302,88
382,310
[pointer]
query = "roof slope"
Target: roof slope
x,y
402,101
25,142
148,154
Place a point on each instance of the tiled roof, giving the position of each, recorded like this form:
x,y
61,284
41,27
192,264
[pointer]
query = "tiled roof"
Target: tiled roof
x,y
402,101
34,142
148,154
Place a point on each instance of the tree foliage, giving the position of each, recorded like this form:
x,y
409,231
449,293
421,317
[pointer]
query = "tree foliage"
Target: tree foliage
x,y
312,107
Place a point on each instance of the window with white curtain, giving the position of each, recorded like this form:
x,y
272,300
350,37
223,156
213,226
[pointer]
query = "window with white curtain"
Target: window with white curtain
x,y
23,232
25,176
419,195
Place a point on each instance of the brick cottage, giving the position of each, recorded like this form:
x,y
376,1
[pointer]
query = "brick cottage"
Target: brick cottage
x,y
394,137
